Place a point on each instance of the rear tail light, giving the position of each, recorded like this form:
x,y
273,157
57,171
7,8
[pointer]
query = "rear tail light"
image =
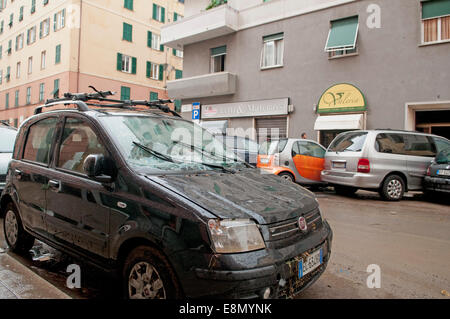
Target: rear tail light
x,y
363,165
428,171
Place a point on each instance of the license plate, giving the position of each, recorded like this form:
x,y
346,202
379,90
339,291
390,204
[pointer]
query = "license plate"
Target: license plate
x,y
339,165
264,161
444,172
305,266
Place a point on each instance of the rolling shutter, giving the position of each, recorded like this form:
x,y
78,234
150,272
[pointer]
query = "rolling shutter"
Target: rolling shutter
x,y
435,8
275,127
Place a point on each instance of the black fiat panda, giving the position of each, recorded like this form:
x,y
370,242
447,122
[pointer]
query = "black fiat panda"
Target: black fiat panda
x,y
159,202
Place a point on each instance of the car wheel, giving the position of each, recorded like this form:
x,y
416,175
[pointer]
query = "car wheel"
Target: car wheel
x,y
16,237
148,275
393,188
345,190
287,176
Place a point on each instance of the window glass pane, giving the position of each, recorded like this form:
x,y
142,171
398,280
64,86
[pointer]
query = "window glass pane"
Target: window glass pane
x,y
350,142
78,141
390,143
39,141
419,145
269,53
441,144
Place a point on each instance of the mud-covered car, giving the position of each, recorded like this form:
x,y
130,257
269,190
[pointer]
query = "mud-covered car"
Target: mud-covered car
x,y
7,138
171,216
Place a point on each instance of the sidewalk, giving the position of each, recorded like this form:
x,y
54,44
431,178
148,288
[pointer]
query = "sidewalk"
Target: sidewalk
x,y
19,282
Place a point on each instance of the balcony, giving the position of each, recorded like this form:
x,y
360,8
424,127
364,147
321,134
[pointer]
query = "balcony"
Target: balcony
x,y
205,25
214,84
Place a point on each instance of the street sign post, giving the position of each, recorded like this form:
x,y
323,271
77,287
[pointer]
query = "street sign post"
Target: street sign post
x,y
195,111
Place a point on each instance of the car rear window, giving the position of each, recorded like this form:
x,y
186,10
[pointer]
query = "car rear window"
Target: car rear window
x,y
348,142
273,147
7,140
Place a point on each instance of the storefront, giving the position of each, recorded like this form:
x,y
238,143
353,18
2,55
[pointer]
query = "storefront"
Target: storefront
x,y
258,120
341,108
429,117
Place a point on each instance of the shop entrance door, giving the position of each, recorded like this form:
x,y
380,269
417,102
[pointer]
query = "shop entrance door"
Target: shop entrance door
x,y
434,122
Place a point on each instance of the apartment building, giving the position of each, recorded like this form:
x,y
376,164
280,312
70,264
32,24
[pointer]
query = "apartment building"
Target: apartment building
x,y
315,66
49,47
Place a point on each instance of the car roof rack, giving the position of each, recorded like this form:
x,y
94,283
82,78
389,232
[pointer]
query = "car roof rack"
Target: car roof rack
x,y
83,101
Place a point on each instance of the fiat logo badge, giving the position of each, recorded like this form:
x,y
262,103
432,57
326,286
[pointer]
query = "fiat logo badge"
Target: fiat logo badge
x,y
302,224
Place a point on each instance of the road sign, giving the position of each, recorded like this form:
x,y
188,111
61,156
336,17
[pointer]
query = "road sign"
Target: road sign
x,y
196,111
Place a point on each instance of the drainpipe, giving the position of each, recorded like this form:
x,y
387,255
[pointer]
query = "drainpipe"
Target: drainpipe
x,y
79,47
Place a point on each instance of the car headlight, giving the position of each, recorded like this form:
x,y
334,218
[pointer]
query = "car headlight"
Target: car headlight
x,y
235,236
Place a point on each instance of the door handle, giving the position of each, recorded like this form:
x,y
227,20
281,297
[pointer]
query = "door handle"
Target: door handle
x,y
54,184
18,173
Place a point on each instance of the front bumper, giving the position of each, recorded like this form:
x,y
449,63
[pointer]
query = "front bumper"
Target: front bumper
x,y
437,184
276,269
358,180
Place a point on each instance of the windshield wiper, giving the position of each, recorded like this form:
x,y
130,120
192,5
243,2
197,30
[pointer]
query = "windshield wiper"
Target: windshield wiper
x,y
154,153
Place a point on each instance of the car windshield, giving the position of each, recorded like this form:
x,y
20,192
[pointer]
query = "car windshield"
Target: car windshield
x,y
166,144
348,142
443,157
8,137
272,147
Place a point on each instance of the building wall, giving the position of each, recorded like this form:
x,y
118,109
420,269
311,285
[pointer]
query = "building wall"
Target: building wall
x,y
391,67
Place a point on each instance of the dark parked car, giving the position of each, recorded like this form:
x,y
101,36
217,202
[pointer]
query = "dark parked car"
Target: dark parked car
x,y
438,174
7,138
127,191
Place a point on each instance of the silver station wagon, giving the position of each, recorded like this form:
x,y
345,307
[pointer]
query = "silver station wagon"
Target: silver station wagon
x,y
390,162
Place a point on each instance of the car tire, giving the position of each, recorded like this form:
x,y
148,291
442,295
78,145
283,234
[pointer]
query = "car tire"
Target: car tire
x,y
148,275
393,188
287,176
16,237
345,190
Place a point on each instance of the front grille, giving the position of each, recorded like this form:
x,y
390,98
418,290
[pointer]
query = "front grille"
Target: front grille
x,y
291,228
2,178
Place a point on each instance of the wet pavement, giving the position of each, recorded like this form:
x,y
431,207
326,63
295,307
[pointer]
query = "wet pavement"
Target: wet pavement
x,y
409,240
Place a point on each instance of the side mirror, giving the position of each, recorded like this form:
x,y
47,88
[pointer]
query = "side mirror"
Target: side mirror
x,y
99,168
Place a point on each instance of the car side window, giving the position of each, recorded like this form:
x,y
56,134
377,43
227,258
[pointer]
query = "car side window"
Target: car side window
x,y
390,143
39,141
419,145
78,141
311,149
295,149
441,144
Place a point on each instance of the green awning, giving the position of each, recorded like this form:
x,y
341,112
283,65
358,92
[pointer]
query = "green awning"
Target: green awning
x,y
435,8
343,34
219,50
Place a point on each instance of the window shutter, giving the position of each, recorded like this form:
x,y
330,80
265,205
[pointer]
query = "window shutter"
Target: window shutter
x,y
154,96
163,15
63,18
54,22
149,39
119,62
133,65
149,66
435,8
175,16
40,30
161,72
174,51
58,53
161,47
155,10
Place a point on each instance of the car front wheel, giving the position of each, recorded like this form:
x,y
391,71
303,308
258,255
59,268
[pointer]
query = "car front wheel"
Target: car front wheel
x,y
16,237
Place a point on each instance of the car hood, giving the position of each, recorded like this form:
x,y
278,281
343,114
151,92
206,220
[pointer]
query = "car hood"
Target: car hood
x,y
4,161
249,194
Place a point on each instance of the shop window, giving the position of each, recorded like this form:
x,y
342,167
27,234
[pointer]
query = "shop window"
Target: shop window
x,y
273,51
342,37
435,21
218,59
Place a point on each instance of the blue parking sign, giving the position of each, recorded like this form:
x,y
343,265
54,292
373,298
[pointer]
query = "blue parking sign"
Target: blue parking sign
x,y
196,111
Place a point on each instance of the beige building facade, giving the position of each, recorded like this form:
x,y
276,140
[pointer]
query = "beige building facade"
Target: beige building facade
x,y
49,47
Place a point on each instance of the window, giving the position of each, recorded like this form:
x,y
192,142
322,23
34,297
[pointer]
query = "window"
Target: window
x,y
127,32
43,58
441,144
78,142
2,26
58,54
31,35
435,21
21,13
33,6
28,95
218,59
41,92
273,47
405,144
126,63
59,20
178,74
125,93
152,70
177,53
128,4
7,101
159,13
154,96
177,16
39,141
342,37
349,142
30,65
45,2
8,74
1,51
16,98
55,92
19,42
44,28
1,76
177,105
18,70
308,149
9,47
11,19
